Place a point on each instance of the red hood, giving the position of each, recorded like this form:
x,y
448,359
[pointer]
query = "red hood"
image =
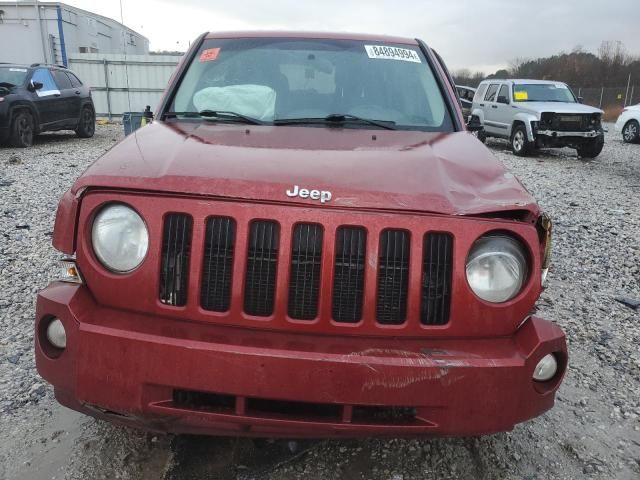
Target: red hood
x,y
378,169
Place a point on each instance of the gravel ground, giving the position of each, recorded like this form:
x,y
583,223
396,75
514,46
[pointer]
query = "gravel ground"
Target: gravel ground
x,y
593,432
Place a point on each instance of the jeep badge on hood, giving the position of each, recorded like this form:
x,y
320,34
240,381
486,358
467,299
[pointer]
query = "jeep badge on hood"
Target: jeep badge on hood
x,y
322,195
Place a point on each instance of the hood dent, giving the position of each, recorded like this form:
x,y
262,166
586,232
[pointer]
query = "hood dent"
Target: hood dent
x,y
388,170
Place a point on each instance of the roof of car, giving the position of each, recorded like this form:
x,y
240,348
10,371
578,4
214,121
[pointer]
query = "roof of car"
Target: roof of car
x,y
319,35
33,65
521,81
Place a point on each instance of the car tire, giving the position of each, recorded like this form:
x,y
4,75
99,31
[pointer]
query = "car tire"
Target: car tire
x,y
520,144
631,132
22,129
481,135
86,123
593,148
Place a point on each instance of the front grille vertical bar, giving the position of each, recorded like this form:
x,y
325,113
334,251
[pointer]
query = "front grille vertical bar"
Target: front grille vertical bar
x,y
285,256
327,268
373,253
239,269
414,296
195,269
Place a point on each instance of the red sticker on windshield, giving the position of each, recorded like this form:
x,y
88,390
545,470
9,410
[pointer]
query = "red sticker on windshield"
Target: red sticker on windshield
x,y
209,55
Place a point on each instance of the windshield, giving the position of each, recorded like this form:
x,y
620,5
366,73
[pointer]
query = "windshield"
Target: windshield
x,y
546,92
12,76
275,80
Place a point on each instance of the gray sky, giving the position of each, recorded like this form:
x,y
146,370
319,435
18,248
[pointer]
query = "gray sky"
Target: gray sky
x,y
480,34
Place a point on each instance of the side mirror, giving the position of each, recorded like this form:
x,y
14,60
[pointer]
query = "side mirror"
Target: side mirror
x,y
580,99
474,124
33,86
503,99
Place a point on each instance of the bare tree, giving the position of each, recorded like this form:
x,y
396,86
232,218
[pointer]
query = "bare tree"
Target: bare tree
x,y
515,64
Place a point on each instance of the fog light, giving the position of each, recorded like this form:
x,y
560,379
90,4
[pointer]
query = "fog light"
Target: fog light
x,y
546,368
56,334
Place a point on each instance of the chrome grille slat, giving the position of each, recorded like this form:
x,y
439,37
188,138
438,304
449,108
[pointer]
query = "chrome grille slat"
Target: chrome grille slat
x,y
304,281
215,293
176,249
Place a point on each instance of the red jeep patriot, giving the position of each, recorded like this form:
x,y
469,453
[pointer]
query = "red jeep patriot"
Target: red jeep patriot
x,y
305,242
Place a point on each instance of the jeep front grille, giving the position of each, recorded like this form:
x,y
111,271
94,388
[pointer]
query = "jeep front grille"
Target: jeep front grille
x,y
569,122
334,272
176,246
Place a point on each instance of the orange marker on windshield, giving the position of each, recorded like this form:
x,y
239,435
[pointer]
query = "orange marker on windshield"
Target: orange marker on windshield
x,y
209,55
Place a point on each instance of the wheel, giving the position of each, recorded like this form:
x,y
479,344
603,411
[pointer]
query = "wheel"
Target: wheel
x,y
87,123
593,148
631,132
481,135
22,130
520,145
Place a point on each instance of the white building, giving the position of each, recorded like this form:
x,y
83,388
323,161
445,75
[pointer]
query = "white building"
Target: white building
x,y
52,32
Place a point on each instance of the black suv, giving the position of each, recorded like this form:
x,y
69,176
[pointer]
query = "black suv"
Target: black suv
x,y
42,98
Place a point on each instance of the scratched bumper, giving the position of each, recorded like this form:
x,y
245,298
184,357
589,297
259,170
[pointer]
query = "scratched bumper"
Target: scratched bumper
x,y
137,370
559,134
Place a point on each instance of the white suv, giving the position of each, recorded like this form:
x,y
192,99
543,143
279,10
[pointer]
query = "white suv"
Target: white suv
x,y
535,114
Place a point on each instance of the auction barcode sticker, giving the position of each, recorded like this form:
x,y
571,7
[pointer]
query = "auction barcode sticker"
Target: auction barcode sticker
x,y
392,53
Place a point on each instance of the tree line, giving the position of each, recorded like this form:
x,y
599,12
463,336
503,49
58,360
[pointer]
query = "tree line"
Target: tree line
x,y
609,67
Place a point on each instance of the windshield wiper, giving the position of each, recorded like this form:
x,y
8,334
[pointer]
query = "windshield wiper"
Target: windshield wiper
x,y
337,119
217,115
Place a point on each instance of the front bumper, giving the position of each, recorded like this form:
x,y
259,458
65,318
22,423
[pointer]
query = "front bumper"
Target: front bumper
x,y
560,134
138,370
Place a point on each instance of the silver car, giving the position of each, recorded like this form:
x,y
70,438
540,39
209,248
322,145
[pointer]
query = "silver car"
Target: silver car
x,y
465,95
534,114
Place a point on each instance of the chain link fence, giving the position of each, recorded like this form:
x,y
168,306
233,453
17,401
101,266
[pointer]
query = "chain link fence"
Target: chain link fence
x,y
610,99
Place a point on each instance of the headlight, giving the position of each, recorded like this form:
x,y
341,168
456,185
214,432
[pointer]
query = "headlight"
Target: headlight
x,y
120,238
496,268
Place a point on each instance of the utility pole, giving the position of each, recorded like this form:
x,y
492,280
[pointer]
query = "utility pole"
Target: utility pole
x,y
626,94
